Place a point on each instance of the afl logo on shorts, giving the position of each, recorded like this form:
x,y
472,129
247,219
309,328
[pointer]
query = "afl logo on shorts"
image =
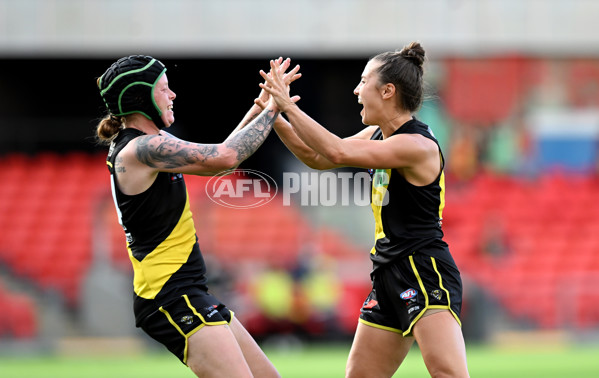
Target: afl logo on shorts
x,y
408,294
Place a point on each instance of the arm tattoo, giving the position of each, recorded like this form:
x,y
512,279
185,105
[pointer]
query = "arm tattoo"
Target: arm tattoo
x,y
247,141
159,152
250,119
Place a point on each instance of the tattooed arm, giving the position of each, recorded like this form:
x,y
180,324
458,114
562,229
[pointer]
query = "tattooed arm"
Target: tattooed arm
x,y
247,141
147,155
169,154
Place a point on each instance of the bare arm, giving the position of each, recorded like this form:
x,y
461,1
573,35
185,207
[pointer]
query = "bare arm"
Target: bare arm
x,y
399,151
303,152
169,154
299,149
246,141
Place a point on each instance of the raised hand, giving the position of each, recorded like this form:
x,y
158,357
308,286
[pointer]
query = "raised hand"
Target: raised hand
x,y
277,83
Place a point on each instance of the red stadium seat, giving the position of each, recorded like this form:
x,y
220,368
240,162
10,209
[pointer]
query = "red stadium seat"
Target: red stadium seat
x,y
552,238
22,317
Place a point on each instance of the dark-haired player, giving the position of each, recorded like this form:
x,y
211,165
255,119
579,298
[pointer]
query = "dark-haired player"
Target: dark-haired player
x,y
416,286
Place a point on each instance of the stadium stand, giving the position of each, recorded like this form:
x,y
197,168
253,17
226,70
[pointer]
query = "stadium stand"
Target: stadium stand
x,y
18,318
530,242
498,83
46,211
549,242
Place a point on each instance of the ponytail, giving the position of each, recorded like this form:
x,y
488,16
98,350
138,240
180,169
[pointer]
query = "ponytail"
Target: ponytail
x,y
108,128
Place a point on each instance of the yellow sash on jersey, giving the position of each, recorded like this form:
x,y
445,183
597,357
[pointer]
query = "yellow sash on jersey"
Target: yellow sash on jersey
x,y
158,266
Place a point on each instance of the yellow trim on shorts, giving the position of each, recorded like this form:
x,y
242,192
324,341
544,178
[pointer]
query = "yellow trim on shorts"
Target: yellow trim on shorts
x,y
423,290
193,309
380,326
457,318
174,324
188,335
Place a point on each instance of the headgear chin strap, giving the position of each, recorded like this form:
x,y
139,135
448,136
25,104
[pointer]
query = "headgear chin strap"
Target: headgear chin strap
x,y
128,87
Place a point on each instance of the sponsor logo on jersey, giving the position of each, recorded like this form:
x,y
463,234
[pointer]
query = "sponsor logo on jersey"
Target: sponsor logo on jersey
x,y
408,294
211,311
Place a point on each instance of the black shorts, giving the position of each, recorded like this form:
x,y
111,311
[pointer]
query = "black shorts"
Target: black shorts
x,y
405,288
174,323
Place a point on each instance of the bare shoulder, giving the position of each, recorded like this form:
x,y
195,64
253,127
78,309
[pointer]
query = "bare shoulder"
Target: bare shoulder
x,y
133,176
416,141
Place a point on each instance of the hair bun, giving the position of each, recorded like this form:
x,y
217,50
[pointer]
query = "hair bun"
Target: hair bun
x,y
414,53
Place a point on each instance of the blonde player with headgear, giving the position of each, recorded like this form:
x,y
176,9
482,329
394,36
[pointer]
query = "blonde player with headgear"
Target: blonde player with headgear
x,y
171,299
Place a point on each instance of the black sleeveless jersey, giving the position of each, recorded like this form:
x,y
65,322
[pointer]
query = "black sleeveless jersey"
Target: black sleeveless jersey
x,y
407,217
160,233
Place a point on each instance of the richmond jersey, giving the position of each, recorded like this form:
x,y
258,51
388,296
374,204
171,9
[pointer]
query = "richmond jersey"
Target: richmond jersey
x,y
407,217
160,233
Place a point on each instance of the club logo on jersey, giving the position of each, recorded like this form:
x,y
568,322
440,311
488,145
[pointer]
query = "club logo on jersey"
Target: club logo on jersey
x,y
408,294
437,294
380,183
187,319
241,189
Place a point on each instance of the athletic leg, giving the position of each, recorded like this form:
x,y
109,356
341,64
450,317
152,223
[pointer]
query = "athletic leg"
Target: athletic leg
x,y
376,352
441,342
213,351
258,362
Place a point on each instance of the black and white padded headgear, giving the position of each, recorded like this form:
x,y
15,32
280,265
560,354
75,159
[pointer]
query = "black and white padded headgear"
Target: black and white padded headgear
x,y
128,87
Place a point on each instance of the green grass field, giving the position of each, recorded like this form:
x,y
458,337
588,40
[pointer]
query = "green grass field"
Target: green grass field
x,y
318,362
